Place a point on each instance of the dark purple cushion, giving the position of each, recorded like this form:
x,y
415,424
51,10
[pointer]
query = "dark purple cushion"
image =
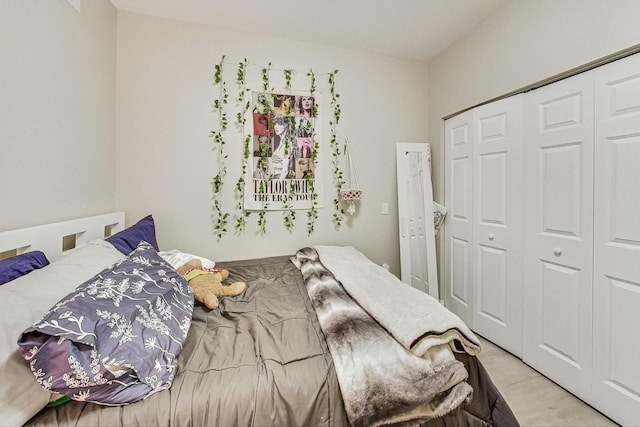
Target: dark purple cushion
x,y
128,239
19,265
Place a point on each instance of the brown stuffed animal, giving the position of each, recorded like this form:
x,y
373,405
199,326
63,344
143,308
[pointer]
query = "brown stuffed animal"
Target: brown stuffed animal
x,y
207,285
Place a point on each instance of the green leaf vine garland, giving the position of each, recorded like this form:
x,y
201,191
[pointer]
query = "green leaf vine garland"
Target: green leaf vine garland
x,y
241,119
338,178
289,215
312,213
244,104
220,217
262,215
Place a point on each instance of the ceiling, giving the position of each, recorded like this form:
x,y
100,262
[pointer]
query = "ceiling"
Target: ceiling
x,y
412,29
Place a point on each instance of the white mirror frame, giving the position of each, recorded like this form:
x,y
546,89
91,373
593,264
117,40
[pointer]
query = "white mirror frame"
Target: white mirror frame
x,y
415,217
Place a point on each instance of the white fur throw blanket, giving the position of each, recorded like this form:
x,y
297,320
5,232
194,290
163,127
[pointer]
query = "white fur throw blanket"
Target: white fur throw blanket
x,y
417,320
381,381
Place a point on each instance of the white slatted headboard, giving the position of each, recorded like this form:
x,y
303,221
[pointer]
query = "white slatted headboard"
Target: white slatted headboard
x,y
59,238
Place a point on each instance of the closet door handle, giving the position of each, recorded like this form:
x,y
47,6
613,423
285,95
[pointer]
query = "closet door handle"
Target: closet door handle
x,y
491,236
557,251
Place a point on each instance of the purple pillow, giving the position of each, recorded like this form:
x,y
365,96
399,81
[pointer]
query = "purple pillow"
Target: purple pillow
x,y
127,240
19,265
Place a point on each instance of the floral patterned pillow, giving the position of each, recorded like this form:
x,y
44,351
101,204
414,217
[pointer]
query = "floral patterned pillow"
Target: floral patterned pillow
x,y
116,338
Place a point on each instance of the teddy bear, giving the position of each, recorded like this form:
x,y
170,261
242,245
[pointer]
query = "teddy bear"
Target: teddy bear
x,y
207,283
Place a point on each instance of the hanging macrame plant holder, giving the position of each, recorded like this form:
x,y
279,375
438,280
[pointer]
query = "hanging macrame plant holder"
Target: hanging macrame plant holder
x,y
352,192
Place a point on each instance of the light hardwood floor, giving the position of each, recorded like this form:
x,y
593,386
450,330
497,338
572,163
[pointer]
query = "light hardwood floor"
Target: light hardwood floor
x,y
535,400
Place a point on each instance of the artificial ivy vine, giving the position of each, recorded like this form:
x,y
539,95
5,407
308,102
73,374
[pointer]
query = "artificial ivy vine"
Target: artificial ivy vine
x,y
262,215
287,80
220,217
289,215
312,213
241,119
338,178
244,104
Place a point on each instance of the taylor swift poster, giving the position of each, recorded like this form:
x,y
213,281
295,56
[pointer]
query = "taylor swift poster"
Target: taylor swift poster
x,y
284,168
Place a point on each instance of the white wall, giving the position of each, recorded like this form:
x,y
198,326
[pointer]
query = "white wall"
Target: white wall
x,y
57,111
525,42
165,159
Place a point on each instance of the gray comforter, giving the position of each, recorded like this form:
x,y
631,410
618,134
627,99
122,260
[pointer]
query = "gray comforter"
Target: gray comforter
x,y
262,359
258,360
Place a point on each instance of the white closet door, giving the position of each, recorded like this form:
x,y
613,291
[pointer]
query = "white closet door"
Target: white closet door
x,y
497,222
558,233
616,316
458,231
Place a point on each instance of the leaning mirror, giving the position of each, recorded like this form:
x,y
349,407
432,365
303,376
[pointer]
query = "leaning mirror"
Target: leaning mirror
x,y
415,217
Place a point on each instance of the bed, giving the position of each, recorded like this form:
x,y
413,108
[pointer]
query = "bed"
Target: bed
x,y
304,345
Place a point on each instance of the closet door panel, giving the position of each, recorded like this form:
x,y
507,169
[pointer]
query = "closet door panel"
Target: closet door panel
x,y
617,241
492,197
497,222
460,257
458,232
560,311
560,173
558,232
